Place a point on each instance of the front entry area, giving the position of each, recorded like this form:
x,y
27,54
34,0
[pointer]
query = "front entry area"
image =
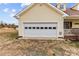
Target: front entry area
x,y
41,29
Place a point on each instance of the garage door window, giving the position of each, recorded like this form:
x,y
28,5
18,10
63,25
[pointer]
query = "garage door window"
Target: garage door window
x,y
29,27
54,27
50,27
25,27
37,27
33,27
40,27
46,27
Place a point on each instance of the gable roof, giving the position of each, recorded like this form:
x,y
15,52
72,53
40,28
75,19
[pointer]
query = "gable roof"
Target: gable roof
x,y
76,7
71,12
32,5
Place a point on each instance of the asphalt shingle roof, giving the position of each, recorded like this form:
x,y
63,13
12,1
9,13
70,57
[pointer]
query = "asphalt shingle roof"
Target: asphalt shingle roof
x,y
71,11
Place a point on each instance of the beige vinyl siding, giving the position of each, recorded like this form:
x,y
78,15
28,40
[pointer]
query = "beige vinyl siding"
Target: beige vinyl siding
x,y
42,14
73,22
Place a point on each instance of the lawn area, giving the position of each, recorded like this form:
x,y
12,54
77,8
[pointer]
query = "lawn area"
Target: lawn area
x,y
10,46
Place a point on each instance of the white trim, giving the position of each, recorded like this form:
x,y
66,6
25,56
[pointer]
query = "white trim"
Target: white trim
x,y
17,15
72,17
61,12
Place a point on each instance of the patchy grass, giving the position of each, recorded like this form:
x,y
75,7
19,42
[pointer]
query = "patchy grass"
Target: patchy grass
x,y
38,47
9,45
74,44
9,34
6,36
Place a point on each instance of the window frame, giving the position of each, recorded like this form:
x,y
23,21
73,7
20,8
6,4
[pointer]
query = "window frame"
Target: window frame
x,y
67,25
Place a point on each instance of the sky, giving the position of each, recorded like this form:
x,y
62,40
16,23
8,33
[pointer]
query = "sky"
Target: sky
x,y
8,10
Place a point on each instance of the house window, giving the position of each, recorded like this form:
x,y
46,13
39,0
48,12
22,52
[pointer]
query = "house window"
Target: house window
x,y
67,25
76,23
61,6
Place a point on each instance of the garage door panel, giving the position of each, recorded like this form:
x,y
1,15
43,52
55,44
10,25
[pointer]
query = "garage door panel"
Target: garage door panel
x,y
41,25
38,32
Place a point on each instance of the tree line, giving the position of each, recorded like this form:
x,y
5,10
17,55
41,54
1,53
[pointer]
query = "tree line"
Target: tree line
x,y
8,25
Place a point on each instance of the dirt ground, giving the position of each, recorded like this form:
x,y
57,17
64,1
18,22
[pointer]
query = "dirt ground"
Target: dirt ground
x,y
10,46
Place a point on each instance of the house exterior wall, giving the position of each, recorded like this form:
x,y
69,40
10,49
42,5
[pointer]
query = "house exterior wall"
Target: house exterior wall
x,y
74,21
42,13
20,28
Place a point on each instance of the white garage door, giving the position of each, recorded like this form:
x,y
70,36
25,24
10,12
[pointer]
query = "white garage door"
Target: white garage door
x,y
40,29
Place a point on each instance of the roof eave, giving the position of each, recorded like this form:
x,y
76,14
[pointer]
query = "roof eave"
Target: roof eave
x,y
18,14
60,11
72,17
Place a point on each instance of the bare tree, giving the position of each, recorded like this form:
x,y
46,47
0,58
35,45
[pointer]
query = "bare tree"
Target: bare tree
x,y
1,24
